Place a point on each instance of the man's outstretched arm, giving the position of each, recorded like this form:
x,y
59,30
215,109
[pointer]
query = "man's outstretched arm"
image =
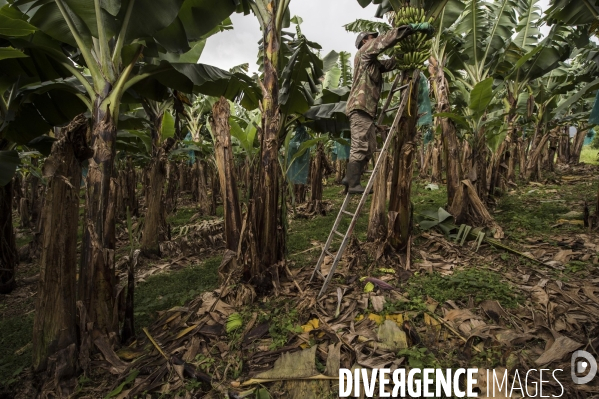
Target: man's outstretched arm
x,y
376,46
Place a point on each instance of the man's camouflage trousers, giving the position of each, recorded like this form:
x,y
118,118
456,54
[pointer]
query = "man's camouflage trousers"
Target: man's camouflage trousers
x,y
363,136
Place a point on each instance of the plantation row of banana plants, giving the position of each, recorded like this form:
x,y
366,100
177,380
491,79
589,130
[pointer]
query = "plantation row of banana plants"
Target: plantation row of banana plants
x,y
114,93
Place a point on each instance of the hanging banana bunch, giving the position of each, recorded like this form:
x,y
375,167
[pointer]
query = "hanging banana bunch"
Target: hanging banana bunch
x,y
416,48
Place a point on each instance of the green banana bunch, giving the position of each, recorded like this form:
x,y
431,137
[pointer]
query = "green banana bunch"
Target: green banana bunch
x,y
234,322
413,51
411,15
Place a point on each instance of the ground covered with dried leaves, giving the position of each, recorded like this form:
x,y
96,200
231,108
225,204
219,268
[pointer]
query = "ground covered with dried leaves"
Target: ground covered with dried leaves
x,y
524,302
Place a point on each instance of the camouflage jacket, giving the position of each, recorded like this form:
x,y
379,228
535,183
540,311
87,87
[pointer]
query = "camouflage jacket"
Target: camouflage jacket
x,y
368,71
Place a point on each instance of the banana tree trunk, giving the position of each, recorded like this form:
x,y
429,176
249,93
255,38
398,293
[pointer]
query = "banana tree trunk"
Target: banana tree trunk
x,y
450,139
532,170
183,178
268,243
24,212
316,175
550,161
171,187
97,282
340,170
497,172
426,156
225,164
513,157
54,329
35,201
8,250
299,192
523,155
155,220
215,188
479,165
465,156
127,198
436,162
563,153
203,200
377,226
576,147
195,181
131,199
17,188
400,206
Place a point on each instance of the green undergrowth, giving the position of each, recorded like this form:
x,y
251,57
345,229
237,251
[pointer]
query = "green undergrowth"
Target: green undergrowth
x,y
423,198
181,217
589,155
15,347
535,210
283,321
167,290
476,283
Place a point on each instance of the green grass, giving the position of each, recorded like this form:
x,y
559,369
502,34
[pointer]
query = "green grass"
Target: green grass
x,y
426,199
480,284
521,218
23,239
15,334
164,291
181,217
589,155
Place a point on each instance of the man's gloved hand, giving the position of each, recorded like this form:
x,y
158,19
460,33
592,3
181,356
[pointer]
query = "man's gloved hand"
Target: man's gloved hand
x,y
423,27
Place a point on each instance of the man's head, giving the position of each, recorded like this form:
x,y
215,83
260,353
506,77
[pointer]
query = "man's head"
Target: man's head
x,y
364,38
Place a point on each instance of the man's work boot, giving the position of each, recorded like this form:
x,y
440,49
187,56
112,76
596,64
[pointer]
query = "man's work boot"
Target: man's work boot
x,y
354,172
345,182
347,178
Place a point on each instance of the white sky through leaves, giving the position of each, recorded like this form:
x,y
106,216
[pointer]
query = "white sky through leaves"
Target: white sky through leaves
x,y
323,23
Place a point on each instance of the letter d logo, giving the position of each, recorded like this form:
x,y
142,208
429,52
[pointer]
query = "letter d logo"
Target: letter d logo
x,y
580,366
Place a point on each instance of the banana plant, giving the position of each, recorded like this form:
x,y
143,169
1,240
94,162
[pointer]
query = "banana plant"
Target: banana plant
x,y
574,12
112,47
287,86
327,115
439,67
20,83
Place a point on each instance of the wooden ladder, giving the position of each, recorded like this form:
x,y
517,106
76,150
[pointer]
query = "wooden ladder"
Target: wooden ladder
x,y
343,212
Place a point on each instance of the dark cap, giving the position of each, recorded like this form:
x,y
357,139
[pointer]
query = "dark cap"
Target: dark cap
x,y
362,36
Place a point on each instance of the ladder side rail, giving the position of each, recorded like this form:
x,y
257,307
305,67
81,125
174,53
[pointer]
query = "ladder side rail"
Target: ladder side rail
x,y
354,220
334,265
331,236
397,80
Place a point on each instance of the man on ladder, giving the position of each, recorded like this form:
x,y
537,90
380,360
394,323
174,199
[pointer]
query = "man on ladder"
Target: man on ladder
x,y
365,95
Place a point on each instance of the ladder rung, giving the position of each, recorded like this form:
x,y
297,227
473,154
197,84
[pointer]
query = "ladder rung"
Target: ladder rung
x,y
329,252
400,88
368,171
338,233
393,109
348,213
378,150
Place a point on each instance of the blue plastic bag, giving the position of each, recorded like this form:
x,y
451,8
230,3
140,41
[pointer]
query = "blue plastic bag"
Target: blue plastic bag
x,y
300,167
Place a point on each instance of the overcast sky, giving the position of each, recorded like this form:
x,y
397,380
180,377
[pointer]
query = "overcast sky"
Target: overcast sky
x,y
323,23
